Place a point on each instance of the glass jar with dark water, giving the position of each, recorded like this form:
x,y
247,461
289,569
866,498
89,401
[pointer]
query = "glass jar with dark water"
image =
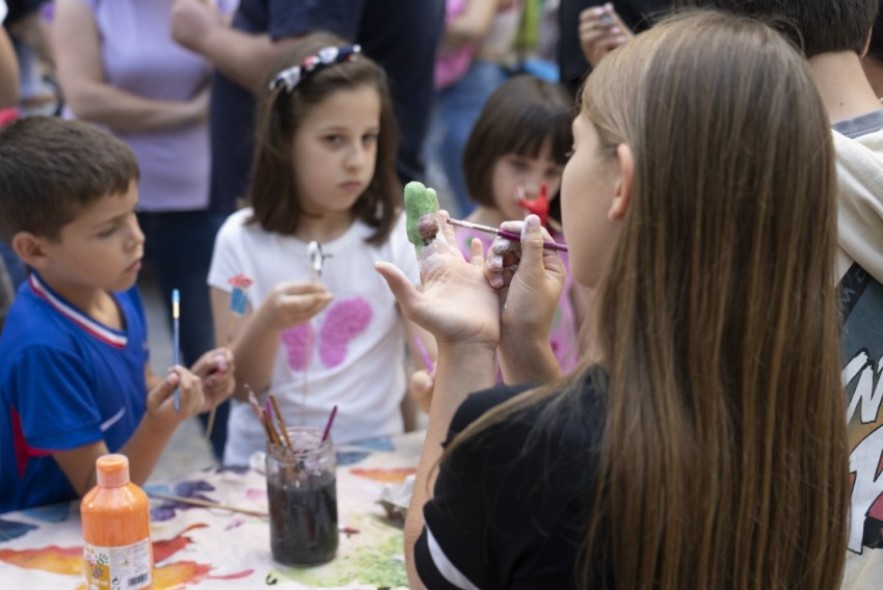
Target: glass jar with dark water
x,y
302,494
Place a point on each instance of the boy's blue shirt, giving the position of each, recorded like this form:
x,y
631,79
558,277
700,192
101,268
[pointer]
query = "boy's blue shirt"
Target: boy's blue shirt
x,y
65,381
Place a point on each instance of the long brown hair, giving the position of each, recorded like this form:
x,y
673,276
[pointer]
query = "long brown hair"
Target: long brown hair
x,y
273,193
723,457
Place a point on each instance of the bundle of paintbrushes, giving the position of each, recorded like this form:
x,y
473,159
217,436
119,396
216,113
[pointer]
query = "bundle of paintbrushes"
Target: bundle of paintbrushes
x,y
266,416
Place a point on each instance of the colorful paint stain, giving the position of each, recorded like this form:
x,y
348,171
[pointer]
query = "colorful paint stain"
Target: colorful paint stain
x,y
52,559
12,529
69,561
163,550
185,489
379,565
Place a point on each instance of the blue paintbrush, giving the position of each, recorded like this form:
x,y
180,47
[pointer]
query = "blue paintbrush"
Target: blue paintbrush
x,y
176,338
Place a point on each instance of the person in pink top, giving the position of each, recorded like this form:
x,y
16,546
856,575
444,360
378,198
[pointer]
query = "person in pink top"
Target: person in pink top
x,y
513,163
119,68
8,66
473,61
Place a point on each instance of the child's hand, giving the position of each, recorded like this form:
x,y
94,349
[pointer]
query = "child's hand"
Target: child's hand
x,y
292,303
420,386
160,399
531,278
216,370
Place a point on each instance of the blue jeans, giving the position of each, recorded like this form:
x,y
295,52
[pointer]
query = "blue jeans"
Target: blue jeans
x,y
456,109
178,247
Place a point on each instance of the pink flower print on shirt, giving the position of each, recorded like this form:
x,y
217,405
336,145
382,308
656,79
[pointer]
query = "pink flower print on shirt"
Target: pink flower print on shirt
x,y
344,321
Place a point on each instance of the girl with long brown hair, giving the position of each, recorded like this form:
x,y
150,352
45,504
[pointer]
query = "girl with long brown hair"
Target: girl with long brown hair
x,y
317,327
702,443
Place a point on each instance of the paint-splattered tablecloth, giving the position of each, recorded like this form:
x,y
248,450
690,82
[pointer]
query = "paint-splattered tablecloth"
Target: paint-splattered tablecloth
x,y
209,548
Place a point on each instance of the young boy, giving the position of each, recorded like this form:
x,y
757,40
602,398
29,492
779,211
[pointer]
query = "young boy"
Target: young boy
x,y
74,376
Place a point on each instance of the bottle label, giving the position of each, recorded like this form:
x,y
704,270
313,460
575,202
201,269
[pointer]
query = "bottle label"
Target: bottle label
x,y
119,568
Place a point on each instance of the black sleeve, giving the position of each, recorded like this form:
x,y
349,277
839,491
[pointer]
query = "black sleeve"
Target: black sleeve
x,y
501,517
341,17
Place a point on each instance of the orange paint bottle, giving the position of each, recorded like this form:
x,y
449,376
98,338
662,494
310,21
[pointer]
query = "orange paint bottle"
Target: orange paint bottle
x,y
116,530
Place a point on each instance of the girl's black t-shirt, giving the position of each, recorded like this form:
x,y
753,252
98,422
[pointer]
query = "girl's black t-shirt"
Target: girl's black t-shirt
x,y
511,505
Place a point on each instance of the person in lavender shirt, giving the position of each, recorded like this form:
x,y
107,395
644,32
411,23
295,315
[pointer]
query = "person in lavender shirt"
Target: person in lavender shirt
x,y
119,68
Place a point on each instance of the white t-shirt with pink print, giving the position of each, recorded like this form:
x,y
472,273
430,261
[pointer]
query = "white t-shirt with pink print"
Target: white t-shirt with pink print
x,y
352,354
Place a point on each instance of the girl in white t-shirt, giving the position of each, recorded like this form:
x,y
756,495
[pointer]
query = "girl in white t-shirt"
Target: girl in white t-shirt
x,y
317,326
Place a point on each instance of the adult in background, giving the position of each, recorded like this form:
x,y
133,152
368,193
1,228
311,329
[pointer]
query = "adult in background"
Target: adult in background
x,y
8,65
8,99
635,15
475,57
401,35
120,69
8,102
28,27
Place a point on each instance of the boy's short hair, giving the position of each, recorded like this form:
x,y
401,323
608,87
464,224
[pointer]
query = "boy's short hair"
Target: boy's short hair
x,y
822,26
51,168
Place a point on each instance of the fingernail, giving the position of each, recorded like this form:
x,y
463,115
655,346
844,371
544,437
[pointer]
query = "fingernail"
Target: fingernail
x,y
221,362
531,224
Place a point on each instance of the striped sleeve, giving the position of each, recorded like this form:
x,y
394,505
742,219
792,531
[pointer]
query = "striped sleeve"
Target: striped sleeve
x,y
436,569
458,548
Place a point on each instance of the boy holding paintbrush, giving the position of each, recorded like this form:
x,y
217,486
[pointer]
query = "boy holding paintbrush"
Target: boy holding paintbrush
x,y
74,376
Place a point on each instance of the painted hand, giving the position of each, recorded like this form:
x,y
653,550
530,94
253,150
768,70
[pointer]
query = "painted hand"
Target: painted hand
x,y
530,279
456,304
